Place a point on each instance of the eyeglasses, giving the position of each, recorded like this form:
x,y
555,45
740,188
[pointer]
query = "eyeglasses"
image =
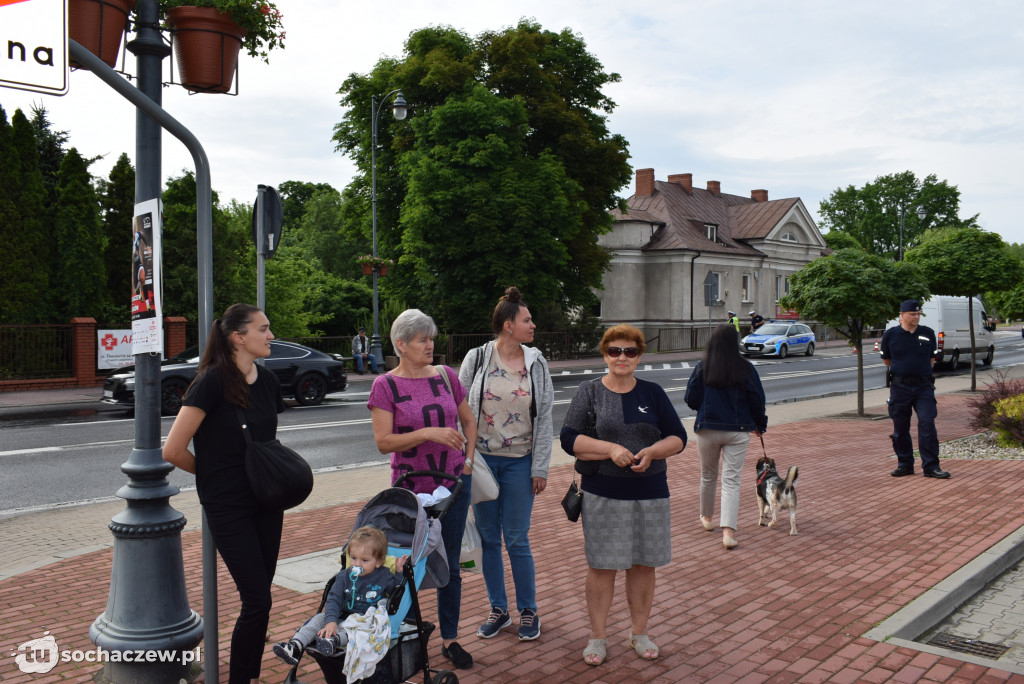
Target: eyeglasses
x,y
630,352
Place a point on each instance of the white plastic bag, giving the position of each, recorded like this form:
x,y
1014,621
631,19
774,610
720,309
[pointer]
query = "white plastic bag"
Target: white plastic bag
x,y
471,558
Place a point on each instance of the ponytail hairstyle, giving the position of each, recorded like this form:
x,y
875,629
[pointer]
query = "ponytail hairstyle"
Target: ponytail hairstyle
x,y
507,309
723,366
220,352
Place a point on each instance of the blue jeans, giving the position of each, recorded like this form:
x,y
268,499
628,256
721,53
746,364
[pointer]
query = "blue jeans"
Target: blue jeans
x,y
508,516
453,526
358,358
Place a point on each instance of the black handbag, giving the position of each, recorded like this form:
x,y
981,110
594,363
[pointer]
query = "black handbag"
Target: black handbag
x,y
278,477
572,502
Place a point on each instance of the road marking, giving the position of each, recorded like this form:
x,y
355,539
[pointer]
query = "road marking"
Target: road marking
x,y
39,450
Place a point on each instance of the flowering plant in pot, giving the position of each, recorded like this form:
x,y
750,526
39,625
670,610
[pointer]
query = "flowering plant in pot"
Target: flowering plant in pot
x,y
260,20
368,261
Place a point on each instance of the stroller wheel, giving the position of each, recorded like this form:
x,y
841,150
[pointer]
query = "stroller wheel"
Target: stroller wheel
x,y
445,677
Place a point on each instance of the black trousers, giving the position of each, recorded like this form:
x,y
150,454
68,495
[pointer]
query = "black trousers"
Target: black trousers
x,y
248,540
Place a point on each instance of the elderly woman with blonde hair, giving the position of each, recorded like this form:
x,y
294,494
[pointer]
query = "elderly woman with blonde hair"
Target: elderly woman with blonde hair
x,y
621,430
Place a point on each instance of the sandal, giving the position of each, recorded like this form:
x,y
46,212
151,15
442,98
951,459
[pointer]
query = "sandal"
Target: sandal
x,y
598,648
642,644
708,525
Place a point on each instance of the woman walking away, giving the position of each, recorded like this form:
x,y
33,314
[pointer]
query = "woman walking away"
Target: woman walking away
x,y
511,395
621,429
416,419
248,536
726,393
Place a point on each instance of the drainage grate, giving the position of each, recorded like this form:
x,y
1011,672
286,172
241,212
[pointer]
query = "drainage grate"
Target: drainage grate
x,y
965,645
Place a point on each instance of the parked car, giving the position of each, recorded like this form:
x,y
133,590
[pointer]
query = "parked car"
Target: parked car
x,y
779,339
307,375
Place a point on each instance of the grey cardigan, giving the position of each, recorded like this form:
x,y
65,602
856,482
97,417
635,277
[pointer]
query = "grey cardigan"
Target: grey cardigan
x,y
471,375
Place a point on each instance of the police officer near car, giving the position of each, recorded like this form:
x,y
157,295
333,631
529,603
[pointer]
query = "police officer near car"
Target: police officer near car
x,y
756,321
734,320
909,351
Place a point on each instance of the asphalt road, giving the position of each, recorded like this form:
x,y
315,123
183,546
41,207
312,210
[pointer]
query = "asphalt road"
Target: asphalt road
x,y
60,455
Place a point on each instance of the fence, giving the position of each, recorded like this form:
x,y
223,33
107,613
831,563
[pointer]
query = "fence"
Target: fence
x,y
34,352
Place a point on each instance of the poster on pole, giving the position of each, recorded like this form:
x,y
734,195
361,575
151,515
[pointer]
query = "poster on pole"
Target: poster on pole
x,y
147,314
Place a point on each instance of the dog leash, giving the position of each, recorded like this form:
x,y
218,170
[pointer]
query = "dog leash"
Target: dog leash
x,y
763,475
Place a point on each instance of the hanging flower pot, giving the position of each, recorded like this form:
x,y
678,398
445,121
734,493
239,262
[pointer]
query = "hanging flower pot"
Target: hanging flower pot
x,y
382,270
367,269
206,45
98,25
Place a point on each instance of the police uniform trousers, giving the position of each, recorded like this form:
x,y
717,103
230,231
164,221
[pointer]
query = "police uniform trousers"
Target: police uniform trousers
x,y
920,399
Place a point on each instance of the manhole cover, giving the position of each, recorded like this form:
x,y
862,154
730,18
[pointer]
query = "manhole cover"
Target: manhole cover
x,y
965,645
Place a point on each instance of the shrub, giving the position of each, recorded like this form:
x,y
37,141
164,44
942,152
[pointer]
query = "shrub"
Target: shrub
x,y
983,406
1009,421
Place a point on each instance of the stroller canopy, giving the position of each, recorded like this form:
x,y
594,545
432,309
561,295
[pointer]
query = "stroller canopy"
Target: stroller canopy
x,y
400,515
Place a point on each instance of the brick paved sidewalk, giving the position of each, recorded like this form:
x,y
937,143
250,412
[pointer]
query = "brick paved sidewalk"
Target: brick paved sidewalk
x,y
776,609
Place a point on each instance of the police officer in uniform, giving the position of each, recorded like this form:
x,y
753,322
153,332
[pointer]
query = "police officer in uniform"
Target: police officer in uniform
x,y
734,320
909,350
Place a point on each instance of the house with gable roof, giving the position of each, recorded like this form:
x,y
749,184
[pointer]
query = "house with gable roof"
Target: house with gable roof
x,y
676,243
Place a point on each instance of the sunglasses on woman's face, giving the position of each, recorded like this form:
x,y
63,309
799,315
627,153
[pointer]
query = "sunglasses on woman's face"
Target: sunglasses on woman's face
x,y
630,352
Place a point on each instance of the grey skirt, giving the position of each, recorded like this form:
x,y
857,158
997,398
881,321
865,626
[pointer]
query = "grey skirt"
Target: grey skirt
x,y
618,534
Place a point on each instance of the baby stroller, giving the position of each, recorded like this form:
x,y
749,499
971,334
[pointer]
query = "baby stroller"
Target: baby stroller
x,y
415,531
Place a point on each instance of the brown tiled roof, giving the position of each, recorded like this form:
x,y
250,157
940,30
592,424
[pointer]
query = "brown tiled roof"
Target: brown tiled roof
x,y
683,216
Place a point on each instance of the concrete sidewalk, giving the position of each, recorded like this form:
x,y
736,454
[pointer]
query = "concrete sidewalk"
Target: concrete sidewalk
x,y
777,608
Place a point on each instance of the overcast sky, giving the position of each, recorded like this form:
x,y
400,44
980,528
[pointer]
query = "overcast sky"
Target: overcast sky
x,y
799,97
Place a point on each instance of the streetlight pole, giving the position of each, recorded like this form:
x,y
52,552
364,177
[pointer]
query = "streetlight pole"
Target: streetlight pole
x,y
400,109
921,214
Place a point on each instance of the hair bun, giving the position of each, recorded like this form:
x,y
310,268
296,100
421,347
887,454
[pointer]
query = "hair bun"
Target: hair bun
x,y
513,294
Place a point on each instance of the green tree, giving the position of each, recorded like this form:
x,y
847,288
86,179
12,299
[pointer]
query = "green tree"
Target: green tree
x,y
964,262
31,254
80,277
837,239
117,203
233,275
523,98
851,291
10,218
872,214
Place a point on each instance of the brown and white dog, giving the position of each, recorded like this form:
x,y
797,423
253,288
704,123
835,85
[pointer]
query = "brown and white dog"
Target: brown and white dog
x,y
774,493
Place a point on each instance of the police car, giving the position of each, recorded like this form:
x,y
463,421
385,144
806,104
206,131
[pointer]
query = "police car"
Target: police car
x,y
779,339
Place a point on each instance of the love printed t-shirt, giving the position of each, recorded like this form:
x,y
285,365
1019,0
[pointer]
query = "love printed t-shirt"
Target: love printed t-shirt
x,y
417,403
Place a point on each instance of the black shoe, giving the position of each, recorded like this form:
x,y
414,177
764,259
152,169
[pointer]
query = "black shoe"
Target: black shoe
x,y
938,474
288,652
902,472
455,653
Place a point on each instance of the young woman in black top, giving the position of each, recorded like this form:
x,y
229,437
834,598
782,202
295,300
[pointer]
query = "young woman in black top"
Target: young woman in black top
x,y
247,536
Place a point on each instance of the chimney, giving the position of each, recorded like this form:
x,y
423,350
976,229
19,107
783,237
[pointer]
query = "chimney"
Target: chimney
x,y
759,195
683,179
714,187
644,182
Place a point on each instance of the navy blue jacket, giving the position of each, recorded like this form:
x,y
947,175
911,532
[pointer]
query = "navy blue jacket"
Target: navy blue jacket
x,y
731,409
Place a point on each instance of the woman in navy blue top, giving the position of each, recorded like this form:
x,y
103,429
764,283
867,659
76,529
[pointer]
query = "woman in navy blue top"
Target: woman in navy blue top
x,y
621,429
726,393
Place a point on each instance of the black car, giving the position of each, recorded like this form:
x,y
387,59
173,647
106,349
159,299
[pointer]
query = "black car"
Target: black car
x,y
306,374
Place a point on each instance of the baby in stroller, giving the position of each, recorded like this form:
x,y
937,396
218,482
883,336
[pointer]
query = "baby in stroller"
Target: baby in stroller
x,y
363,584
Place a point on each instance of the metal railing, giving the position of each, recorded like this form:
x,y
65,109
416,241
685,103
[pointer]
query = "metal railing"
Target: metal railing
x,y
32,352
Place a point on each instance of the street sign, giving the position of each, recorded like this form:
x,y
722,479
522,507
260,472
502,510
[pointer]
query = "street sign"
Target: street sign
x,y
273,217
710,289
34,45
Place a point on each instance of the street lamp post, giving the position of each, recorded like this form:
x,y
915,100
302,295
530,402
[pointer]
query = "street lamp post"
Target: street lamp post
x,y
921,213
400,109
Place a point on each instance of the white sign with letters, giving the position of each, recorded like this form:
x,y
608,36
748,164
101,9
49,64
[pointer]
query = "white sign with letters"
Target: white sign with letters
x,y
34,45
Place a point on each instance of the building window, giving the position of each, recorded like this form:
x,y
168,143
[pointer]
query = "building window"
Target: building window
x,y
788,237
781,286
711,231
746,287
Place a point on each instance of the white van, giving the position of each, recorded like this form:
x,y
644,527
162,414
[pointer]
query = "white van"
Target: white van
x,y
947,316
